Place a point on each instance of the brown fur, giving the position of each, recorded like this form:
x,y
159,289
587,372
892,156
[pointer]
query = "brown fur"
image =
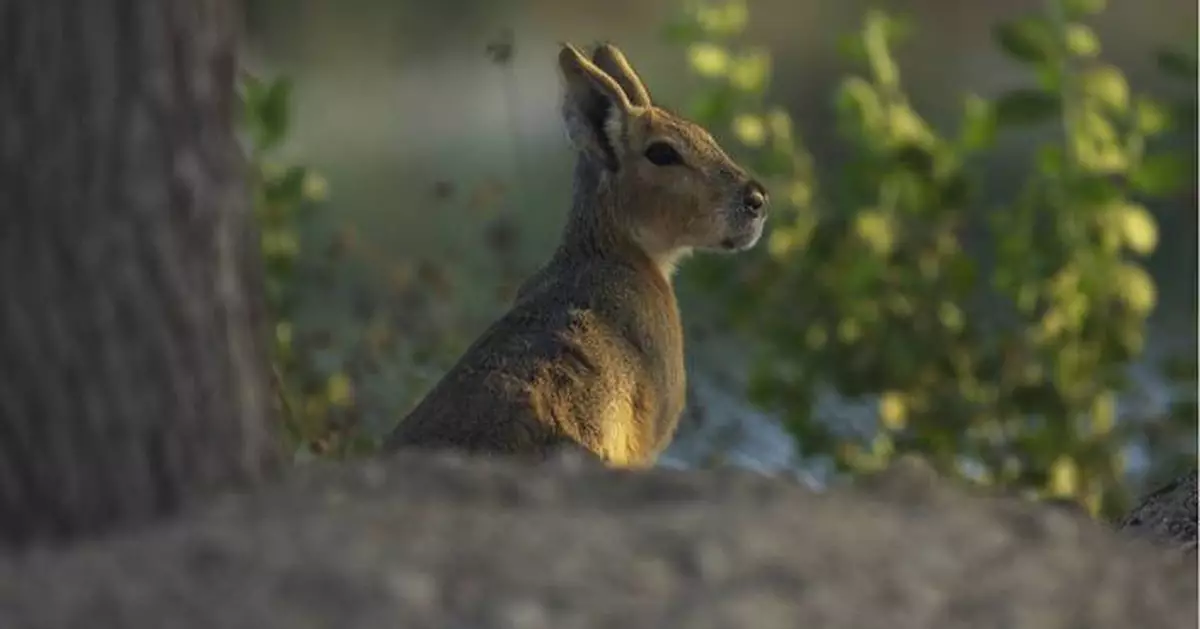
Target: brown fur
x,y
591,353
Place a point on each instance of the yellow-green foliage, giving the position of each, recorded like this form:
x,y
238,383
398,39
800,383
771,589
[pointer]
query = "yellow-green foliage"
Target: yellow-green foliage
x,y
1000,363
358,336
284,197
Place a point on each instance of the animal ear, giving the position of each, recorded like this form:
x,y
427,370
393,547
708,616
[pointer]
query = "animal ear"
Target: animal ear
x,y
609,58
595,108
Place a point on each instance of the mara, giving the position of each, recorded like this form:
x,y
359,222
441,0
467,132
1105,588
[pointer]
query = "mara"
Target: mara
x,y
590,356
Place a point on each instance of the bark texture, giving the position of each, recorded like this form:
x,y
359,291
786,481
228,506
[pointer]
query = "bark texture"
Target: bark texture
x,y
1168,515
133,372
440,542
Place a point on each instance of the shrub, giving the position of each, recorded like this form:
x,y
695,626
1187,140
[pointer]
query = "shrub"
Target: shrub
x,y
999,363
358,335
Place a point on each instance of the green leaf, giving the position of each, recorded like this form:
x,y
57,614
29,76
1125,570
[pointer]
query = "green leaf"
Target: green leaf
x,y
878,230
1107,85
979,124
1176,64
962,274
1029,39
250,88
750,72
722,19
251,92
858,106
750,130
955,192
1049,77
273,114
1094,190
899,29
1151,118
708,59
1081,41
1137,227
1027,107
851,48
1160,174
712,107
775,163
682,31
915,159
1050,160
289,188
1136,288
340,389
1096,142
875,38
1076,9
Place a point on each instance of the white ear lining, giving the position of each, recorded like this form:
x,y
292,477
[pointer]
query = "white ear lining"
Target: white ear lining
x,y
586,85
614,127
573,125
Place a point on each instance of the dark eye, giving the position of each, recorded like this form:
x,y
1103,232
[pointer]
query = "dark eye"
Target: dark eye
x,y
663,154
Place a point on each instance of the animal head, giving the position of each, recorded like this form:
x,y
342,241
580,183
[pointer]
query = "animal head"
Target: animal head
x,y
675,189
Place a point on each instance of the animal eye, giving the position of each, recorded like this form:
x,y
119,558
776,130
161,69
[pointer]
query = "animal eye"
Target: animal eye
x,y
663,154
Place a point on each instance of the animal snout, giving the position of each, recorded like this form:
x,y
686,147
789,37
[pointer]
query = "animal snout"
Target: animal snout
x,y
754,199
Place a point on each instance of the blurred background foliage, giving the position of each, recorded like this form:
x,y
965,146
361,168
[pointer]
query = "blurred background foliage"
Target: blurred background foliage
x,y
997,275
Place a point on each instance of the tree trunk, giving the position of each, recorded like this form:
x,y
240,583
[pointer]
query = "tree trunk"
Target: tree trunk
x,y
1167,516
133,368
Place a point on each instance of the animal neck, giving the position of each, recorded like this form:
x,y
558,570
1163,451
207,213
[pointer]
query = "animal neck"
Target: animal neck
x,y
593,229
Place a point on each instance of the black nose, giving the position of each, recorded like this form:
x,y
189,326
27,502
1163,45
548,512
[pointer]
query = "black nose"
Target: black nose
x,y
755,198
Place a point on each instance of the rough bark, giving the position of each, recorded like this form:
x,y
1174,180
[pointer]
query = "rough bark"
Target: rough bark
x,y
437,542
1167,516
132,362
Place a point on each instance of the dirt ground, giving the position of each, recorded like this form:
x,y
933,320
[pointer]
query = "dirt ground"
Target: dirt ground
x,y
438,541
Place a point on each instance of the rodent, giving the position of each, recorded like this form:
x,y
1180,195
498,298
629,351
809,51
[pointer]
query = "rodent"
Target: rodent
x,y
590,355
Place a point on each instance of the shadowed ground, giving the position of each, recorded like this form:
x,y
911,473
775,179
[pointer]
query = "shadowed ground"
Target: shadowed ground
x,y
439,541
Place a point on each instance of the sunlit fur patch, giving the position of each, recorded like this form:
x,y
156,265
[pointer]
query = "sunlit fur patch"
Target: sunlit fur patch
x,y
620,445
